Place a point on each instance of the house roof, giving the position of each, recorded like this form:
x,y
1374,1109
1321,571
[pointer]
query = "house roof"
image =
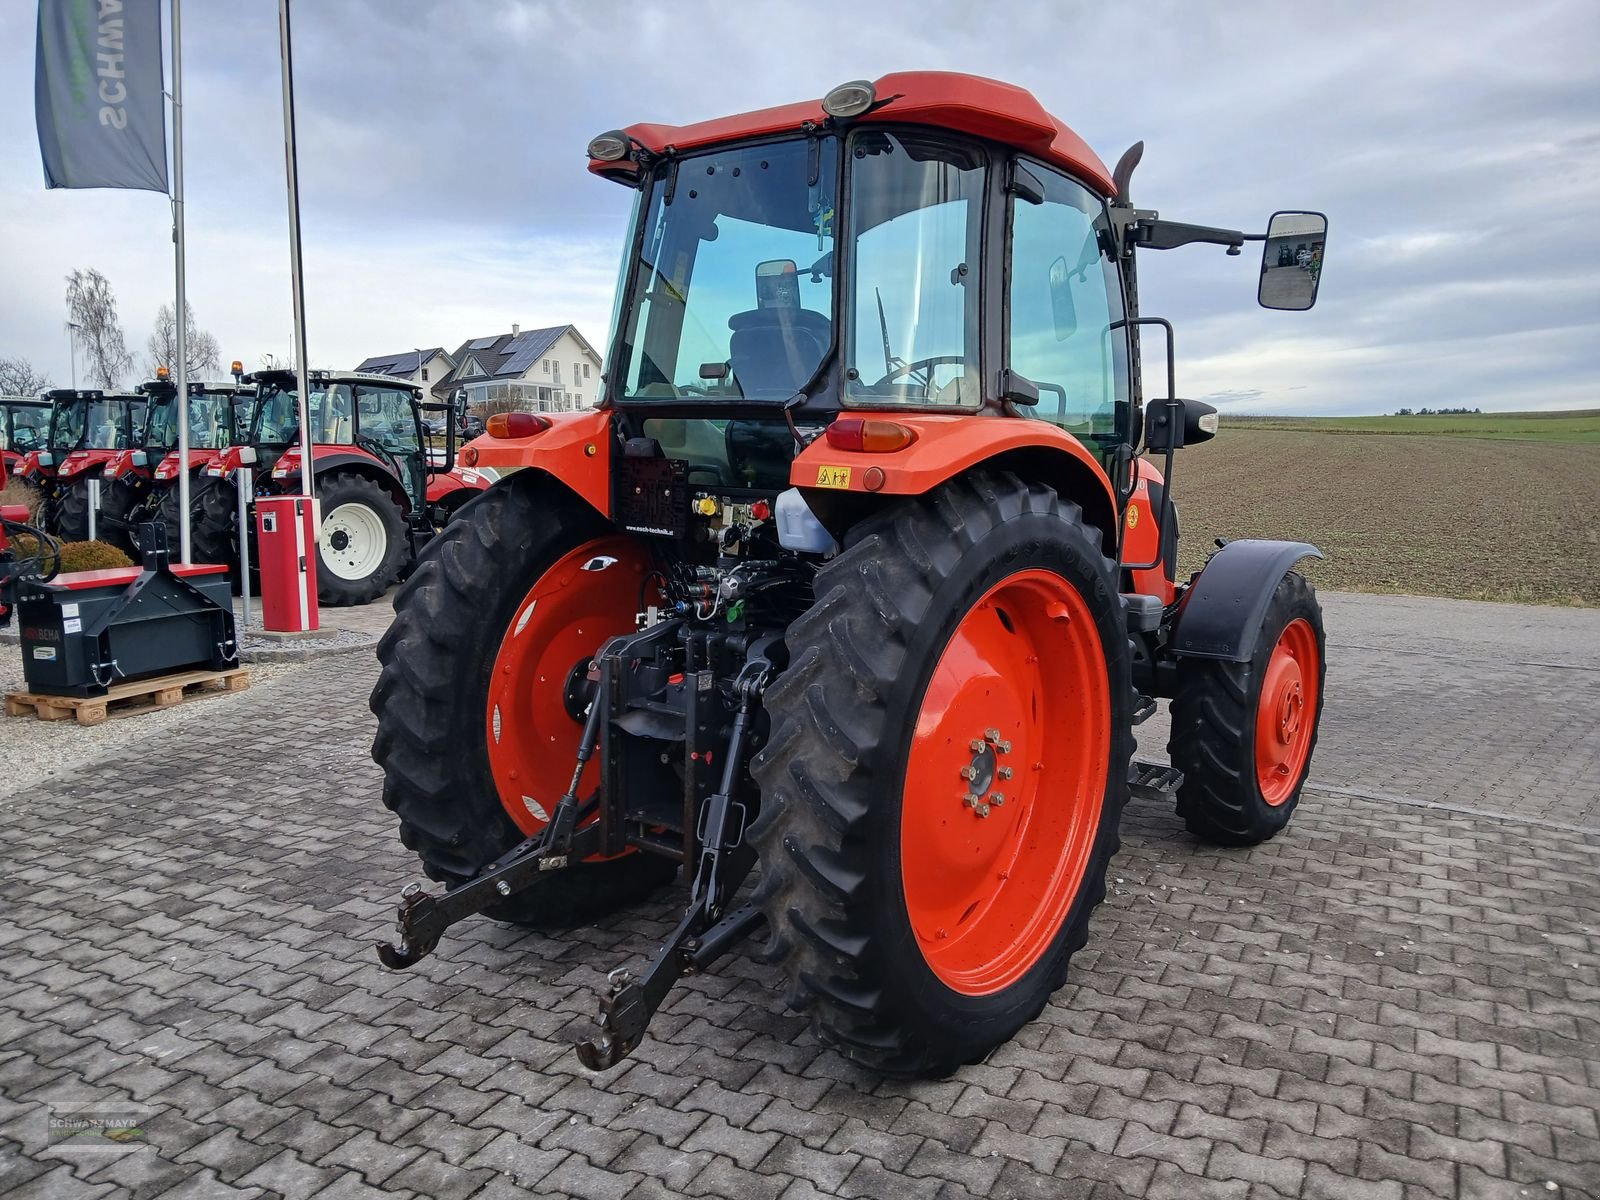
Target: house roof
x,y
400,364
507,355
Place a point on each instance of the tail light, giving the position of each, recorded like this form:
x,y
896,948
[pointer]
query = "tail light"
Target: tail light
x,y
516,425
869,435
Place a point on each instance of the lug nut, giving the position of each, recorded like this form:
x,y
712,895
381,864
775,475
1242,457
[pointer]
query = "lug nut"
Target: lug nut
x,y
983,810
1005,747
969,773
997,798
1005,772
970,800
503,888
976,744
992,734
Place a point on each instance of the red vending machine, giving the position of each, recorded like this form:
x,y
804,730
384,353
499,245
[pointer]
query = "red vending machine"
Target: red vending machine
x,y
286,549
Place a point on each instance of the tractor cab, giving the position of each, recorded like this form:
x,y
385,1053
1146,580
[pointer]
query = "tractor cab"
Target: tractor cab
x,y
87,428
219,414
24,428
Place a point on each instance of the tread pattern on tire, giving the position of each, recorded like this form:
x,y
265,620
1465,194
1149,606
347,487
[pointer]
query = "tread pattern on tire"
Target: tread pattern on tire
x,y
831,749
1212,738
342,487
450,814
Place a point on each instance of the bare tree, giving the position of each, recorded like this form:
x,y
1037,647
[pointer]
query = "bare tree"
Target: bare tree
x,y
93,309
199,347
276,362
19,377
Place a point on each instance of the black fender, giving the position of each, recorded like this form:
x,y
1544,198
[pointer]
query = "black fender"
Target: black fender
x,y
1227,601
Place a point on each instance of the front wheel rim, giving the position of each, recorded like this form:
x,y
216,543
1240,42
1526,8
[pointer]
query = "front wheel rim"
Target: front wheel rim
x,y
1286,713
354,542
1005,782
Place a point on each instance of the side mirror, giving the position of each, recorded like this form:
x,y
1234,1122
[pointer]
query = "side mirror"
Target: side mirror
x,y
1174,424
1291,260
777,284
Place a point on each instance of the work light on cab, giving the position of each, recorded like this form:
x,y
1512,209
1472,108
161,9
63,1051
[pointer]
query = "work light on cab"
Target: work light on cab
x,y
611,146
515,425
850,99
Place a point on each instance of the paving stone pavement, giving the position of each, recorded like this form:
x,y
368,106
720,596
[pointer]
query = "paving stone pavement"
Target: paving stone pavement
x,y
1391,1000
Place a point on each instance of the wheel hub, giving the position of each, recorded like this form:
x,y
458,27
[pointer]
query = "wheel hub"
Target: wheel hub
x,y
982,773
340,539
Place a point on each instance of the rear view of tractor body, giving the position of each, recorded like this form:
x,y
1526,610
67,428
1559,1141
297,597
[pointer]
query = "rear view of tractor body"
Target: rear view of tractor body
x,y
844,607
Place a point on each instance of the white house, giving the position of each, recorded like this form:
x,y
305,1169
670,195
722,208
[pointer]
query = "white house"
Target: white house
x,y
426,368
533,370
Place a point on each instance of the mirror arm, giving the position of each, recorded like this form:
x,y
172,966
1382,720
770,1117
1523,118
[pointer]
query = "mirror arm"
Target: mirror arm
x,y
1152,233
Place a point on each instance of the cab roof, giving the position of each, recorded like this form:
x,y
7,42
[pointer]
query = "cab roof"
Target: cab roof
x,y
285,378
969,104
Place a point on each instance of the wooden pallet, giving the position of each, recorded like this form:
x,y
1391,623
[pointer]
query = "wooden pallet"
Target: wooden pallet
x,y
128,699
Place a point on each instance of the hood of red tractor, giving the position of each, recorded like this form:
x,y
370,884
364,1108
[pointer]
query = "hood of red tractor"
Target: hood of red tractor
x,y
453,480
81,461
167,468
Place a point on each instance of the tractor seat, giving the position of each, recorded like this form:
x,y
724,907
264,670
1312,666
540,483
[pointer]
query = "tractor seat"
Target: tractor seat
x,y
775,351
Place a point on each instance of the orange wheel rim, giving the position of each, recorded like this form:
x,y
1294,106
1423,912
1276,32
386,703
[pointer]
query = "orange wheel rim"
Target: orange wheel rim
x,y
1004,782
529,724
1287,712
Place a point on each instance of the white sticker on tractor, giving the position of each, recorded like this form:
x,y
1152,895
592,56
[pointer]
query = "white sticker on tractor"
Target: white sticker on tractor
x,y
47,653
72,624
69,610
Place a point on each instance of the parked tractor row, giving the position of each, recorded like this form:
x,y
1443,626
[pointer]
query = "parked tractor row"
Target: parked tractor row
x,y
383,492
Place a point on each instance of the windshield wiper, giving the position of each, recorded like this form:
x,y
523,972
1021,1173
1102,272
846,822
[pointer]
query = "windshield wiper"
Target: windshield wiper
x,y
891,364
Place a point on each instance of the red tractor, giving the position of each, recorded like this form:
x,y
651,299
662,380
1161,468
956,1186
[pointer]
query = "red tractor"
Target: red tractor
x,y
24,427
858,583
382,492
88,429
135,491
42,564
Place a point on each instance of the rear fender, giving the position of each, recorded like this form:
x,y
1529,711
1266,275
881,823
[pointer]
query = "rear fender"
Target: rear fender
x,y
1222,611
575,452
841,486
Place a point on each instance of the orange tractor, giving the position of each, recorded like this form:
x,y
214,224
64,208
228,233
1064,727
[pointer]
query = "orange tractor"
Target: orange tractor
x,y
846,602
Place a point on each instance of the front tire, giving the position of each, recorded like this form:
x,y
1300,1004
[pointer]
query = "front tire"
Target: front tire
x,y
213,523
969,639
1243,733
362,547
476,749
71,512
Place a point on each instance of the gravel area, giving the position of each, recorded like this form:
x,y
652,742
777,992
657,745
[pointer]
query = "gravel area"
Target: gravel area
x,y
34,751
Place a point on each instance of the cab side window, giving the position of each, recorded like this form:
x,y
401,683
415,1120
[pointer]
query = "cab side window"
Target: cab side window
x,y
1065,305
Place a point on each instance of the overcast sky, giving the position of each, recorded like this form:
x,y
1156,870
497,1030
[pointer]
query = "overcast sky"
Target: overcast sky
x,y
1455,147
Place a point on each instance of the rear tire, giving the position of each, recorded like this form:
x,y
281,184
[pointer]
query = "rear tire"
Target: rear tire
x,y
869,727
1244,770
431,703
363,545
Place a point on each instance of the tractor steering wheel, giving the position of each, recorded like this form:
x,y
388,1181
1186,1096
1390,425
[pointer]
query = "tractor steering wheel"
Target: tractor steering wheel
x,y
924,366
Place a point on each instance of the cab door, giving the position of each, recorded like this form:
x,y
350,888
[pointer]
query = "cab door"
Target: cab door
x,y
388,425
1064,310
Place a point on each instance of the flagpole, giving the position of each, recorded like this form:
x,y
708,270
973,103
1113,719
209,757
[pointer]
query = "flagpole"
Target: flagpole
x,y
296,277
182,312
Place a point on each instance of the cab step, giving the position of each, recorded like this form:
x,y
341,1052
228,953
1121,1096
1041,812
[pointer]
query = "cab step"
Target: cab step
x,y
1153,781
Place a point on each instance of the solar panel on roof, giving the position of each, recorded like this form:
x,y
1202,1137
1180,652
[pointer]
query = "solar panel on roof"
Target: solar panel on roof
x,y
481,343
